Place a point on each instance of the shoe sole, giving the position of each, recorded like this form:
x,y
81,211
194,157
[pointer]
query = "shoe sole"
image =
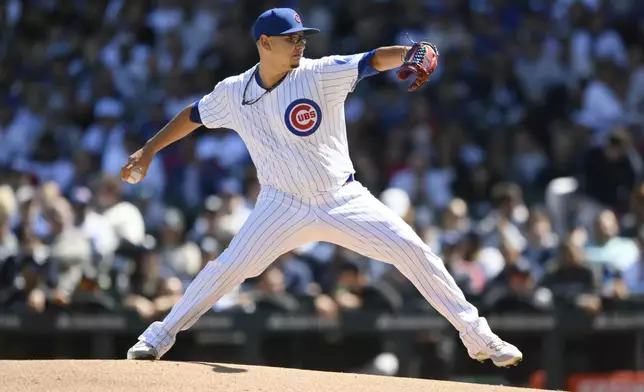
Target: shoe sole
x,y
509,363
144,357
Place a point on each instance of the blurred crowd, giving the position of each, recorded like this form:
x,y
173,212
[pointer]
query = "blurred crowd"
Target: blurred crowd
x,y
519,163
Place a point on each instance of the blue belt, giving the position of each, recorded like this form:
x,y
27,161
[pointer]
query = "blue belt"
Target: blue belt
x,y
349,180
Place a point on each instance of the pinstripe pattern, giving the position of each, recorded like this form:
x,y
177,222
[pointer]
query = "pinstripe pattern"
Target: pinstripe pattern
x,y
358,220
300,165
214,108
350,217
302,160
277,225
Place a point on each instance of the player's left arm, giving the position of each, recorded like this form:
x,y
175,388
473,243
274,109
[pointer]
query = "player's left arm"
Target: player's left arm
x,y
340,74
388,57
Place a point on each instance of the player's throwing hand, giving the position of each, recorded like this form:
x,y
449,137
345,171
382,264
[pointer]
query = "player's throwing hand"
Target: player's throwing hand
x,y
137,166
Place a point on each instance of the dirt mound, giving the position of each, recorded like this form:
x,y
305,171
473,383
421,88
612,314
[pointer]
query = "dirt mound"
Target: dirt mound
x,y
126,376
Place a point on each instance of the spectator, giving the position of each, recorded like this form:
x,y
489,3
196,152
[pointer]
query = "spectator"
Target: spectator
x,y
426,184
8,244
490,258
180,258
206,220
232,215
352,291
98,274
634,275
633,219
28,278
268,293
152,294
541,243
12,133
502,224
454,218
514,290
606,249
298,277
572,282
68,249
107,130
123,216
608,173
635,97
530,159
94,226
464,264
562,156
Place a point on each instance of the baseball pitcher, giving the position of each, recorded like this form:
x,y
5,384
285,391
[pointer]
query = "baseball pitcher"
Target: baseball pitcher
x,y
289,110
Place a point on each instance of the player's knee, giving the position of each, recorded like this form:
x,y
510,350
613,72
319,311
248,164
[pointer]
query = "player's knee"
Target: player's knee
x,y
256,269
223,264
232,263
412,244
414,248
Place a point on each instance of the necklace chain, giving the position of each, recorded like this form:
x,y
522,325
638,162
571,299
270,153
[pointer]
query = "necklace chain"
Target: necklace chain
x,y
253,76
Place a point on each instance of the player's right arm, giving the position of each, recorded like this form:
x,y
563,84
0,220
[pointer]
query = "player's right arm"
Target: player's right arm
x,y
210,111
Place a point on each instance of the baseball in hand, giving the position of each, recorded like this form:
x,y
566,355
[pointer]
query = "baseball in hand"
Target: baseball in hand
x,y
135,176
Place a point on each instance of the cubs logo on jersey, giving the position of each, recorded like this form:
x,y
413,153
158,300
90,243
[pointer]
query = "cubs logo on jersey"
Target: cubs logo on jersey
x,y
303,117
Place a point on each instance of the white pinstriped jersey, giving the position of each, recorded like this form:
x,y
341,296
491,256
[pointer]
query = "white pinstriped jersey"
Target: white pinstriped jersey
x,y
295,134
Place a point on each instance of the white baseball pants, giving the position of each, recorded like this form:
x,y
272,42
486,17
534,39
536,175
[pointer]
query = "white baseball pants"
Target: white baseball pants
x,y
352,218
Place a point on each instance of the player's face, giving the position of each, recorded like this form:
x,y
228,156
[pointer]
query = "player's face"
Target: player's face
x,y
289,49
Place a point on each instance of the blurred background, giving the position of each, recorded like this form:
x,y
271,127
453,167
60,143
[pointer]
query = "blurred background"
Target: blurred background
x,y
519,164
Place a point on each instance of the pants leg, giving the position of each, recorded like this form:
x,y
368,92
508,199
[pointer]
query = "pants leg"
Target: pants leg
x,y
277,225
356,220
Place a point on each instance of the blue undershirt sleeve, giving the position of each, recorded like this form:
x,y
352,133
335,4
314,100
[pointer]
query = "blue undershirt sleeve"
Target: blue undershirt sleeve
x,y
195,116
365,69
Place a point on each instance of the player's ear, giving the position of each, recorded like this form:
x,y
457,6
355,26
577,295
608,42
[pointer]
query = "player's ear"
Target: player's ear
x,y
266,43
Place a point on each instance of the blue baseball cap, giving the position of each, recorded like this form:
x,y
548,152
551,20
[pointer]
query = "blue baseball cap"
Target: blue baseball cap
x,y
280,21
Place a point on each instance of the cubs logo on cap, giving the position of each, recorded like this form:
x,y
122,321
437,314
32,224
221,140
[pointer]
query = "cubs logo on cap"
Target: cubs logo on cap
x,y
297,18
303,117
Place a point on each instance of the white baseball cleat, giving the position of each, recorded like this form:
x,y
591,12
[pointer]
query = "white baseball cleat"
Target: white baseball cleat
x,y
501,353
142,350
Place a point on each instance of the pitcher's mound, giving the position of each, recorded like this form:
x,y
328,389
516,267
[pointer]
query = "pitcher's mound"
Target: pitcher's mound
x,y
139,376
